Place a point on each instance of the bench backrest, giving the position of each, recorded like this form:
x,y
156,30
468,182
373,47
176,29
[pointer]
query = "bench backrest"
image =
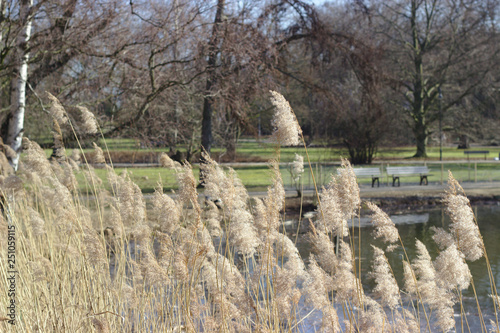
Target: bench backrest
x,y
408,170
365,171
476,152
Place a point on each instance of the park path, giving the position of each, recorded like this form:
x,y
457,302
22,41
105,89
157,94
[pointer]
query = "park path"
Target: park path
x,y
490,190
486,189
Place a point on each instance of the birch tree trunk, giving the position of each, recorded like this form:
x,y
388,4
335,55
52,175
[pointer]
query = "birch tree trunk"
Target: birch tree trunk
x,y
2,11
20,77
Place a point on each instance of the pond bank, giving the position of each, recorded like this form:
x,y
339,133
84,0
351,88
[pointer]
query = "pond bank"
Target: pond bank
x,y
406,197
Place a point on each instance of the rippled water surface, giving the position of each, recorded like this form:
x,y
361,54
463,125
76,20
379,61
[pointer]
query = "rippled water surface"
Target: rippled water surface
x,y
418,226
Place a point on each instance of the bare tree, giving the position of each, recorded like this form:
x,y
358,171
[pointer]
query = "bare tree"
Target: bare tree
x,y
339,83
434,45
242,53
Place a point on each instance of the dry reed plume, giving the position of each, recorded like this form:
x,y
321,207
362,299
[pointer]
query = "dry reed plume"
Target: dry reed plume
x,y
287,130
111,263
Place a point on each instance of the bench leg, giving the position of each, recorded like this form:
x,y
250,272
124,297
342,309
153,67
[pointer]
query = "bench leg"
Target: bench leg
x,y
394,178
424,179
375,179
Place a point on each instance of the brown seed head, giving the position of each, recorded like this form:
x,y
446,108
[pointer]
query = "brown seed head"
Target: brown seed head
x,y
287,130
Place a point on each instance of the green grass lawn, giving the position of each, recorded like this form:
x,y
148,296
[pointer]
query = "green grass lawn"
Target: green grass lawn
x,y
264,150
325,154
257,178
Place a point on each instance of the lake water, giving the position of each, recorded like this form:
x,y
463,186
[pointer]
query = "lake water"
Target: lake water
x,y
412,226
418,226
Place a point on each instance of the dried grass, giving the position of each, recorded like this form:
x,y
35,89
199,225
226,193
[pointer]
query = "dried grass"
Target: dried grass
x,y
105,265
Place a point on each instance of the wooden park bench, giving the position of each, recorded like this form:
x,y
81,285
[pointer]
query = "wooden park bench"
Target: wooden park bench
x,y
479,152
397,172
374,173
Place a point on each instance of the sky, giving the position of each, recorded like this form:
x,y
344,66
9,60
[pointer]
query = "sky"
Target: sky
x,y
318,3
321,2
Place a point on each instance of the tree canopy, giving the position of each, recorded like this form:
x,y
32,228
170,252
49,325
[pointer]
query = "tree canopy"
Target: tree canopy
x,y
191,74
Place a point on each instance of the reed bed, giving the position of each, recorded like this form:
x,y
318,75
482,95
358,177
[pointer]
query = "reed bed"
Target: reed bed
x,y
192,264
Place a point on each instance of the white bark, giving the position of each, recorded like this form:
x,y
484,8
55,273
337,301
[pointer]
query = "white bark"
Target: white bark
x,y
2,10
18,101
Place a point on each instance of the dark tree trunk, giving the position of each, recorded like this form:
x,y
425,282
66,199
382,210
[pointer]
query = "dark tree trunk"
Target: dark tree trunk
x,y
418,111
421,136
464,142
206,123
361,155
231,150
208,100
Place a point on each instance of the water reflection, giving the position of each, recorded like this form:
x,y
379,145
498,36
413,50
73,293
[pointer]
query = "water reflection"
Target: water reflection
x,y
418,226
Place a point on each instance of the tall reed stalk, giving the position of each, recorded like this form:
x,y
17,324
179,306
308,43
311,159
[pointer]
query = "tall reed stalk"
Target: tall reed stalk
x,y
184,264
